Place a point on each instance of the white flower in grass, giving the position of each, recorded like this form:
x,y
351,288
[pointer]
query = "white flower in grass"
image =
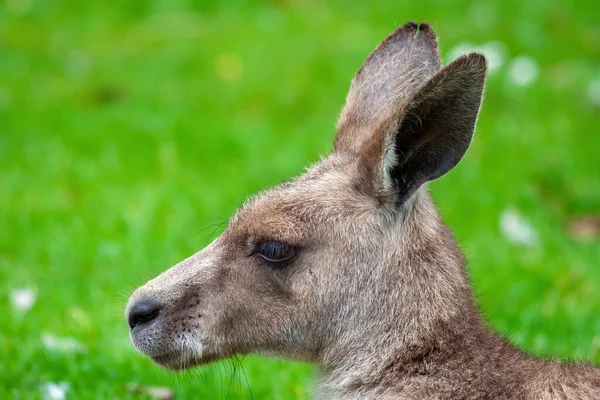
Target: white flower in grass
x,y
155,392
54,390
62,344
516,229
22,299
494,53
523,70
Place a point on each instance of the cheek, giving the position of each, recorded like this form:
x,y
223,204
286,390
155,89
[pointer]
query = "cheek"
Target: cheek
x,y
320,282
253,298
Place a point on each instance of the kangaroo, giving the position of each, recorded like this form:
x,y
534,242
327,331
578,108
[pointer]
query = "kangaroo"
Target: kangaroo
x,y
349,265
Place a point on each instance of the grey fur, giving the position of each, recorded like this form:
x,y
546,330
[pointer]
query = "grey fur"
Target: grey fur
x,y
377,295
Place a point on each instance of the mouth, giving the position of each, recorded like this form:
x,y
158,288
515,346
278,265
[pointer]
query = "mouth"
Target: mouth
x,y
173,356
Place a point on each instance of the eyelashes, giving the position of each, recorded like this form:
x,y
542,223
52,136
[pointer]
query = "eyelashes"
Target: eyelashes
x,y
275,251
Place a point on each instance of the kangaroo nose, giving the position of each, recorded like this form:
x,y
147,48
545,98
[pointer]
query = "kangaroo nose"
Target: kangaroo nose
x,y
142,312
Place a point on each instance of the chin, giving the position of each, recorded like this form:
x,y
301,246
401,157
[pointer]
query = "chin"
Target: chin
x,y
175,361
181,360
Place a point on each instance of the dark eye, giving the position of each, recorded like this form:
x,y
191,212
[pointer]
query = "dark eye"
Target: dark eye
x,y
274,251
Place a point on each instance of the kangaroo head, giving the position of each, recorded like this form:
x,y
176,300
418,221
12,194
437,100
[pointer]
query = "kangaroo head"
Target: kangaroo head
x,y
353,250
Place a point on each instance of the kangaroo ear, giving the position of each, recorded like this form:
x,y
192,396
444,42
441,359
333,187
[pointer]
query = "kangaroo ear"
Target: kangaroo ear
x,y
435,128
401,64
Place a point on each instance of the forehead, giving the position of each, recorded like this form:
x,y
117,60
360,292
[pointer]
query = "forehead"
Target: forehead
x,y
293,210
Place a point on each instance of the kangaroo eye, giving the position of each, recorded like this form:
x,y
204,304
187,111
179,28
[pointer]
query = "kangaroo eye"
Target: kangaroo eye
x,y
274,251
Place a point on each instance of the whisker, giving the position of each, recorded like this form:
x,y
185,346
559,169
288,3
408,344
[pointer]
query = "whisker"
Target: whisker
x,y
233,373
245,375
206,239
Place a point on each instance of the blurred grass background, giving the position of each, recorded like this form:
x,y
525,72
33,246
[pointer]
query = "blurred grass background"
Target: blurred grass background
x,y
129,129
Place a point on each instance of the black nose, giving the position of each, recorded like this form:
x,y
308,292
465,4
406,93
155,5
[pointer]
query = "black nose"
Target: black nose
x,y
142,312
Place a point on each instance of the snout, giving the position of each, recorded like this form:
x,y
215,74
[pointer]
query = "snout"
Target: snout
x,y
163,318
157,331
167,316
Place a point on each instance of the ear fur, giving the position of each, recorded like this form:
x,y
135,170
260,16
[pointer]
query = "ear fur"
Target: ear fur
x,y
401,64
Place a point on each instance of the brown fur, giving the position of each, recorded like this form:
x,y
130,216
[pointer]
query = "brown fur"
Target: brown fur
x,y
377,294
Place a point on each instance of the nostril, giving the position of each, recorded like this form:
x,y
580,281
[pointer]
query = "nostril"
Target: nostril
x,y
142,313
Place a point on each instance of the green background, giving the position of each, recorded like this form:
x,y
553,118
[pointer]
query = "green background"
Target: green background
x,y
130,130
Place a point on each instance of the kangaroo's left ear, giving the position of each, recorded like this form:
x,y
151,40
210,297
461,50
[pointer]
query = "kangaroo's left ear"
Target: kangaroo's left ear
x,y
435,128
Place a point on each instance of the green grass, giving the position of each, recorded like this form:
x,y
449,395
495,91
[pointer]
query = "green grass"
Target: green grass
x,y
128,128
